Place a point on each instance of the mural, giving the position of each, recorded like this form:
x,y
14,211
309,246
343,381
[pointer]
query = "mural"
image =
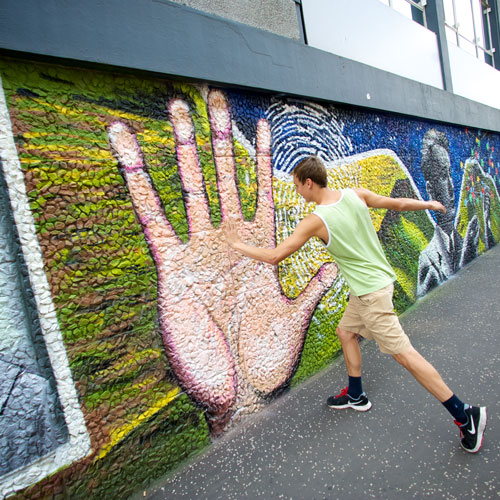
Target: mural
x,y
144,323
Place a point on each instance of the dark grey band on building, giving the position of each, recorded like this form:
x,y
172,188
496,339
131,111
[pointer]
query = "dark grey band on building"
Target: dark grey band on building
x,y
166,38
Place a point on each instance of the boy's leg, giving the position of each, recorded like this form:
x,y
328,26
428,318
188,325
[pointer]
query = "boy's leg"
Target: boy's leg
x,y
424,373
351,351
353,395
473,423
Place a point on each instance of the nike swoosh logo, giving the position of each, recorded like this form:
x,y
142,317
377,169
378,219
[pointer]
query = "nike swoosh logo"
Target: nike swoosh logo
x,y
473,430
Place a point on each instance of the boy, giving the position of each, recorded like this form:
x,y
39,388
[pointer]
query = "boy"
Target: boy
x,y
342,222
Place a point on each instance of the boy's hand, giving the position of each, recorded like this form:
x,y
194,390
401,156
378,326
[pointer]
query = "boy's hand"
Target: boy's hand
x,y
230,233
437,207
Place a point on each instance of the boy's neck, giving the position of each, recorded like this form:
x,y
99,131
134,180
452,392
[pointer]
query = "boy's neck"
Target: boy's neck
x,y
326,196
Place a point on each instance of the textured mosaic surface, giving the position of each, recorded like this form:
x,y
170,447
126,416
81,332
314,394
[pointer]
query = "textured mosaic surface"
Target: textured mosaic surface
x,y
147,335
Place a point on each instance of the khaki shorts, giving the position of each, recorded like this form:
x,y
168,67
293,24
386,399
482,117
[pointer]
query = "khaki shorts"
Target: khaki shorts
x,y
372,316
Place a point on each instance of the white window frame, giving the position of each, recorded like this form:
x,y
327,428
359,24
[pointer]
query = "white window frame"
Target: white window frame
x,y
455,28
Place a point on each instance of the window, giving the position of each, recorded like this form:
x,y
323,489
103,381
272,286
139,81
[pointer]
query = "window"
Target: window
x,y
413,9
467,24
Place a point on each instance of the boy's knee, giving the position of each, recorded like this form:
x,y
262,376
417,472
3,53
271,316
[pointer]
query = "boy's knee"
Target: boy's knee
x,y
344,335
406,358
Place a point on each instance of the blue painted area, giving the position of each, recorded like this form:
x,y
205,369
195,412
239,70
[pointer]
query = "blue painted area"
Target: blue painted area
x,y
367,131
404,136
246,110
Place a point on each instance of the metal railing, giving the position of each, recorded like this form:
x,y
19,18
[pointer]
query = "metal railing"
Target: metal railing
x,y
479,44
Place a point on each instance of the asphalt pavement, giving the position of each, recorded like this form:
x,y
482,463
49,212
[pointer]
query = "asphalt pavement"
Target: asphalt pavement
x,y
405,447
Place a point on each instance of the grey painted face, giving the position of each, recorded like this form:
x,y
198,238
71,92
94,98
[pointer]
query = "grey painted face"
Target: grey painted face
x,y
436,168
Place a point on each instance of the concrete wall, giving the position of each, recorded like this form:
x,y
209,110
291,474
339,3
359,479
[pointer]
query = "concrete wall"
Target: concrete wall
x,y
376,34
276,16
156,337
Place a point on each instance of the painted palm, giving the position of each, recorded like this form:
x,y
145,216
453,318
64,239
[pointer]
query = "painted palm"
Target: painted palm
x,y
231,335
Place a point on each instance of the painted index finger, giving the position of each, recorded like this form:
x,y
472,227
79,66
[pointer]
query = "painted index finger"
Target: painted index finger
x,y
264,215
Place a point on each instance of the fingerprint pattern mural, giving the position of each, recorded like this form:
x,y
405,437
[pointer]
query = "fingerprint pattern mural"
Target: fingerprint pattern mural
x,y
137,333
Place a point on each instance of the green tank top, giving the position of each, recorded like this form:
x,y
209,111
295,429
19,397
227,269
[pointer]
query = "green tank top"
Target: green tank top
x,y
354,244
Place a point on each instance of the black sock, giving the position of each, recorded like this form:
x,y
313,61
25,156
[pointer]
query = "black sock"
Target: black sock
x,y
355,388
457,409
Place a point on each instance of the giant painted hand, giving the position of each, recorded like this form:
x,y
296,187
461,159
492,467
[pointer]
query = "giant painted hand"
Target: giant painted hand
x,y
230,334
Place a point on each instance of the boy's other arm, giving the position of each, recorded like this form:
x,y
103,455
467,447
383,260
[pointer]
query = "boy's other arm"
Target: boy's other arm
x,y
306,229
374,200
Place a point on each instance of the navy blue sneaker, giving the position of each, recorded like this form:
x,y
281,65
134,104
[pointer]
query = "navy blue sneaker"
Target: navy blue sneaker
x,y
343,401
471,433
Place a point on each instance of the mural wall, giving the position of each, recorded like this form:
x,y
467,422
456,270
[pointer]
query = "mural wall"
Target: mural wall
x,y
131,336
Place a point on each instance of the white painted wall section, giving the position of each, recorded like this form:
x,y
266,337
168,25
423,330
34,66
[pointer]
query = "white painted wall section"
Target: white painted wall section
x,y
372,33
474,79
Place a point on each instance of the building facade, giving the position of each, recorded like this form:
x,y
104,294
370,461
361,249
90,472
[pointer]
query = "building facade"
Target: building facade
x,y
131,131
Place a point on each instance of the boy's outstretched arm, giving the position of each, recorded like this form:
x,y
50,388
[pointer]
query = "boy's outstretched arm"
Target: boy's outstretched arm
x,y
399,204
306,229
